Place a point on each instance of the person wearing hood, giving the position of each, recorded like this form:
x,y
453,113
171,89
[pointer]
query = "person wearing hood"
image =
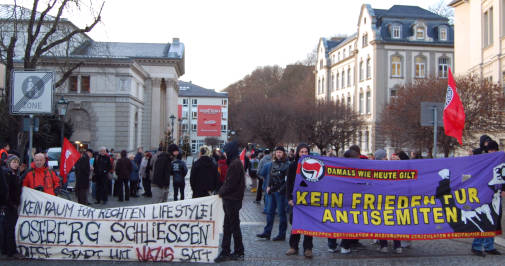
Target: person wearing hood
x,y
161,177
204,177
179,171
10,199
277,190
232,193
82,172
294,239
41,178
483,142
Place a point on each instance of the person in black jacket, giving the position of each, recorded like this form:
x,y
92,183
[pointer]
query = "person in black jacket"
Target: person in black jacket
x,y
10,199
101,168
179,171
483,142
294,239
204,177
82,171
123,171
232,193
161,177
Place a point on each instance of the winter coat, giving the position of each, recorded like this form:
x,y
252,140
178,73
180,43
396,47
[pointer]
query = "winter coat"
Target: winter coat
x,y
134,176
123,169
278,174
234,184
265,173
10,182
179,171
82,171
138,158
161,170
143,167
267,158
42,179
482,148
101,167
204,176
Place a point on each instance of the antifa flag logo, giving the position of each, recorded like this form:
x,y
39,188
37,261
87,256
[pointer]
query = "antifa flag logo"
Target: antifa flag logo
x,y
312,169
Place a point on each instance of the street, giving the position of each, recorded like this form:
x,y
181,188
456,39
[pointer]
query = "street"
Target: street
x,y
262,252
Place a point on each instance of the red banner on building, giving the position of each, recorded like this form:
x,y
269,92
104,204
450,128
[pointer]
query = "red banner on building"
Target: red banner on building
x,y
209,121
179,111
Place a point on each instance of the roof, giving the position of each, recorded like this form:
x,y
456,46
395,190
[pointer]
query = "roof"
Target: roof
x,y
403,11
130,50
22,13
188,89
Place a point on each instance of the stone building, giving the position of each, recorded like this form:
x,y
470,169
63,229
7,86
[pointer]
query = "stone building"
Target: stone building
x,y
391,47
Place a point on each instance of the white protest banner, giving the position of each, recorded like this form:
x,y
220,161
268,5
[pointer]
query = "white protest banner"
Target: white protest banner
x,y
50,227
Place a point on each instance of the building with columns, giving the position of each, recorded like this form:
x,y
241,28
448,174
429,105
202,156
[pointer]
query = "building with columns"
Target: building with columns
x,y
391,47
121,95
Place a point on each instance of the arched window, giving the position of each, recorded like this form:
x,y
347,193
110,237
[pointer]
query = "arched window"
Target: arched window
x,y
420,32
442,33
396,66
368,68
361,71
343,80
349,77
420,66
396,32
337,83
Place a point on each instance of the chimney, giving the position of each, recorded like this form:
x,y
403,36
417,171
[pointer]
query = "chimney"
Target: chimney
x,y
175,40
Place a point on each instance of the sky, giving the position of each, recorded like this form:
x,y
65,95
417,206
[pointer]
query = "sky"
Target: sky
x,y
227,39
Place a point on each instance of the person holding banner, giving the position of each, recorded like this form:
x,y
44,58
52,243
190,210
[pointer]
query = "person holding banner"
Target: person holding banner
x,y
294,239
232,193
41,177
11,180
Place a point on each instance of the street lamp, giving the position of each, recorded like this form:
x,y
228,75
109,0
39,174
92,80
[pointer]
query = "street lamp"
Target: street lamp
x,y
172,118
62,110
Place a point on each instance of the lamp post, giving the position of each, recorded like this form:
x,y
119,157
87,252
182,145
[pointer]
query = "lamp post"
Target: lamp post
x,y
62,110
172,118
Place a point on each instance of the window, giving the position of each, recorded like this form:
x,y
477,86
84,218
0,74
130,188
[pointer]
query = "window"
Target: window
x,y
395,32
361,70
195,115
224,102
318,86
321,64
184,114
343,80
360,139
223,128
488,27
185,102
368,102
349,100
193,127
368,69
184,127
366,141
338,56
361,103
420,33
442,34
332,80
224,115
393,93
364,40
323,86
344,54
194,101
443,67
396,66
420,67
85,84
72,84
350,50
349,77
337,82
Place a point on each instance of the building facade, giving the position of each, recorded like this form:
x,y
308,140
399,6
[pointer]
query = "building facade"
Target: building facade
x,y
479,43
390,48
203,116
121,94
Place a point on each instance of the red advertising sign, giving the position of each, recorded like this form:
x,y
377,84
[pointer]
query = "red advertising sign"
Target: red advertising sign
x,y
209,121
179,112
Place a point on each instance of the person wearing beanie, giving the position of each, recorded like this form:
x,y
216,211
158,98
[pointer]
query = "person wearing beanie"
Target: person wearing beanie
x,y
232,193
381,154
204,177
294,239
10,198
277,190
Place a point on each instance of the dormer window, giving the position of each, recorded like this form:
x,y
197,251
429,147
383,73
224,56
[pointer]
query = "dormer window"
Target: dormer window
x,y
396,32
420,32
442,34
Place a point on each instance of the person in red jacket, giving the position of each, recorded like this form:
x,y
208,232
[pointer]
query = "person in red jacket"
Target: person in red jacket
x,y
4,153
40,177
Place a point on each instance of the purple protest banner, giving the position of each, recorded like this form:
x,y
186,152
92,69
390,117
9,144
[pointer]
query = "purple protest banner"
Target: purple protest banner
x,y
404,200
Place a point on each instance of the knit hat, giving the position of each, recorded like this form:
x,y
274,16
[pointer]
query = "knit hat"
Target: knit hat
x,y
280,148
11,158
380,154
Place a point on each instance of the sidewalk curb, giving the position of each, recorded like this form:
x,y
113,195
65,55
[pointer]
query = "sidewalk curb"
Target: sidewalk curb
x,y
499,241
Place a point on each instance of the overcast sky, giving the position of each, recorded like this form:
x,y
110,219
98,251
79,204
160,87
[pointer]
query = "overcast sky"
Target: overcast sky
x,y
227,39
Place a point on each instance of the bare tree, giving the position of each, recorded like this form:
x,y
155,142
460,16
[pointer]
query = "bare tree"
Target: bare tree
x,y
443,9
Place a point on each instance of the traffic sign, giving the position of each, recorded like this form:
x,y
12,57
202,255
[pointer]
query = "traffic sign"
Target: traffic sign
x,y
32,92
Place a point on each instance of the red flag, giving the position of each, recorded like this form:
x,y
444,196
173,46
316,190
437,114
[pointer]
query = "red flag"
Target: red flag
x,y
454,113
242,157
69,156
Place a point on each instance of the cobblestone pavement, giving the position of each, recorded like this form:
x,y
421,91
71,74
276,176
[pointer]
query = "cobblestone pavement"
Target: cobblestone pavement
x,y
261,252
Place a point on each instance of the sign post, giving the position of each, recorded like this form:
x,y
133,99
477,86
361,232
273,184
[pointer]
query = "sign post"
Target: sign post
x,y
431,116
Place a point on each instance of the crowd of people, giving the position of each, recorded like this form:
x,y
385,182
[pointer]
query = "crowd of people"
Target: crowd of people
x,y
214,172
